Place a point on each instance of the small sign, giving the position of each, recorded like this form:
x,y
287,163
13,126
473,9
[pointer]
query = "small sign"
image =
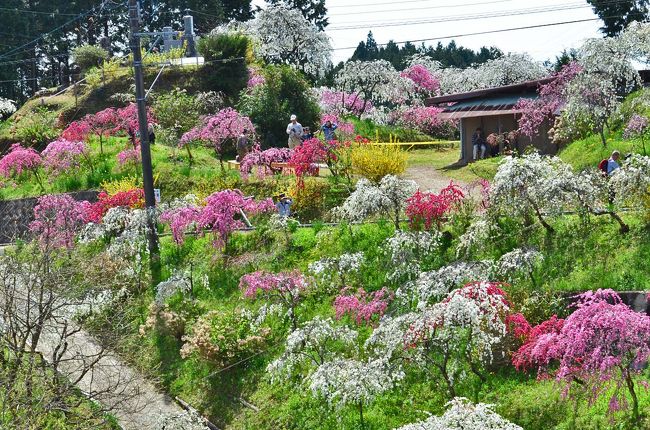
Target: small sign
x,y
156,195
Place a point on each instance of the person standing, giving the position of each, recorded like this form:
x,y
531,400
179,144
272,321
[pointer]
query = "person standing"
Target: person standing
x,y
284,205
328,130
307,134
478,143
152,134
242,145
612,163
294,130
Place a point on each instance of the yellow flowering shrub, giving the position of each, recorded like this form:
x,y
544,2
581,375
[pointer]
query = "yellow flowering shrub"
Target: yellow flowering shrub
x,y
308,199
125,184
376,161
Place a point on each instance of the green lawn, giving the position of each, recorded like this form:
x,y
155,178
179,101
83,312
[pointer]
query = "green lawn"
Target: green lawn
x,y
444,160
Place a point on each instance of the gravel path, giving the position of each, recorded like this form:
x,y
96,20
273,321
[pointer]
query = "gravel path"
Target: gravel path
x,y
428,178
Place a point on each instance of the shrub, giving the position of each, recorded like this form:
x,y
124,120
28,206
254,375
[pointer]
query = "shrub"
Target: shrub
x,y
221,338
427,210
176,111
309,199
37,128
118,185
87,56
230,76
270,105
133,198
375,162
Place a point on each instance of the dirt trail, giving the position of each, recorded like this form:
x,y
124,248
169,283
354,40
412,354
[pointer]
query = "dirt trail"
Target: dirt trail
x,y
429,178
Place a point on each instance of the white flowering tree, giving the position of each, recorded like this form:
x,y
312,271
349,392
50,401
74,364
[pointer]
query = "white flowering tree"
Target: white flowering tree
x,y
517,262
318,341
345,382
335,273
408,250
464,415
631,183
7,107
376,81
388,198
283,35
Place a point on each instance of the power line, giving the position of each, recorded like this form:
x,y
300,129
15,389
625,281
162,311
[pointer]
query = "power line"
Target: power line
x,y
36,12
451,6
385,3
456,18
480,32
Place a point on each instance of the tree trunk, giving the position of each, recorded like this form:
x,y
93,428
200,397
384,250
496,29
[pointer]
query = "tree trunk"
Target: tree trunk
x,y
601,132
635,400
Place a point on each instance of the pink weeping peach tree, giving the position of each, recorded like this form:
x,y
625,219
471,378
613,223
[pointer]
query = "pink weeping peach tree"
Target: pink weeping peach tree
x,y
62,155
20,160
361,306
57,220
603,344
221,215
285,288
218,131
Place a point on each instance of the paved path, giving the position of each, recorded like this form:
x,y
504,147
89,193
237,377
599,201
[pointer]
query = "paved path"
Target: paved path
x,y
429,178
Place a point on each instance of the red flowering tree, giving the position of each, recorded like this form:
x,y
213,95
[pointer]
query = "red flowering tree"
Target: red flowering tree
x,y
285,288
603,343
552,96
20,160
57,220
218,131
131,199
305,158
362,306
426,210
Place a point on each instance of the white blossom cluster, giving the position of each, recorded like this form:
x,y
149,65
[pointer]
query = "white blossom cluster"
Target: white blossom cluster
x,y
7,107
519,260
350,382
330,270
285,35
435,284
464,415
631,183
387,198
178,281
190,420
180,202
377,81
388,339
312,344
476,236
408,249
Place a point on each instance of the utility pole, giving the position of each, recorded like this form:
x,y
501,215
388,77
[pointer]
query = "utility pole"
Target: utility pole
x,y
147,170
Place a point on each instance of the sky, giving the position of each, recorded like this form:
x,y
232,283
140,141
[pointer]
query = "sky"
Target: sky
x,y
406,20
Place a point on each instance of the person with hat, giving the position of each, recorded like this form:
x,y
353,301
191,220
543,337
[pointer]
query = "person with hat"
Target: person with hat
x,y
294,130
284,205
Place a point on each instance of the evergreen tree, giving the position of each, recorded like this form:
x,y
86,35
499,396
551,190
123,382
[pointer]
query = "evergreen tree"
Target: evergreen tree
x,y
616,15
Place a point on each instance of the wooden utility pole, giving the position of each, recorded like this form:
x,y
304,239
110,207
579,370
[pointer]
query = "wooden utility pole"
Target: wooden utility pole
x,y
147,170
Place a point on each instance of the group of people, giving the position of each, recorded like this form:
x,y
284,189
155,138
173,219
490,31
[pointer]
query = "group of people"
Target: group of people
x,y
298,134
494,144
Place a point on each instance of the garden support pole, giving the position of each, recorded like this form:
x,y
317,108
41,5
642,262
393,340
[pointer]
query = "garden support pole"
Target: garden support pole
x,y
147,170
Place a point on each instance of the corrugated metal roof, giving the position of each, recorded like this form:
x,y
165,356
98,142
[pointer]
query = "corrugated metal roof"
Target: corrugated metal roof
x,y
501,102
476,113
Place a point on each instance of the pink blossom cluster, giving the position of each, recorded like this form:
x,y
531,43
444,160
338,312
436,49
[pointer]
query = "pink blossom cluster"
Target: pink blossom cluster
x,y
61,155
284,283
422,118
261,161
18,160
362,306
255,78
225,125
305,157
340,102
344,129
423,81
129,157
602,341
425,210
106,123
221,214
57,220
637,126
534,112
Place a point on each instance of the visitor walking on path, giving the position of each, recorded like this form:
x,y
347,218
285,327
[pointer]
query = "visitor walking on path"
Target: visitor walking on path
x,y
294,130
328,130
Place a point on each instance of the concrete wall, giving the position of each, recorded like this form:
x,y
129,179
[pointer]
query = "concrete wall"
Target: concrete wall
x,y
502,124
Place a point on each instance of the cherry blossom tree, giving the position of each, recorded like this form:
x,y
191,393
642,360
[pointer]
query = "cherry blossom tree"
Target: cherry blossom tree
x,y
102,124
306,157
285,288
283,35
340,103
464,415
57,219
603,343
219,130
20,160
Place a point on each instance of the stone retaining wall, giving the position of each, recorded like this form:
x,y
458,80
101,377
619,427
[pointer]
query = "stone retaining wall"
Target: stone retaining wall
x,y
15,215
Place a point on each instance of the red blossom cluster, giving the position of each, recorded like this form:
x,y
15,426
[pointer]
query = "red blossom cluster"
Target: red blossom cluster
x,y
426,210
131,199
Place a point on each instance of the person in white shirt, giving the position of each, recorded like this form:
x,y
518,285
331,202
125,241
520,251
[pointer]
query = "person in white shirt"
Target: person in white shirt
x,y
294,130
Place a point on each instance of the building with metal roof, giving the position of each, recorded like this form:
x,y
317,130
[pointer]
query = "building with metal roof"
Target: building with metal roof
x,y
494,111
